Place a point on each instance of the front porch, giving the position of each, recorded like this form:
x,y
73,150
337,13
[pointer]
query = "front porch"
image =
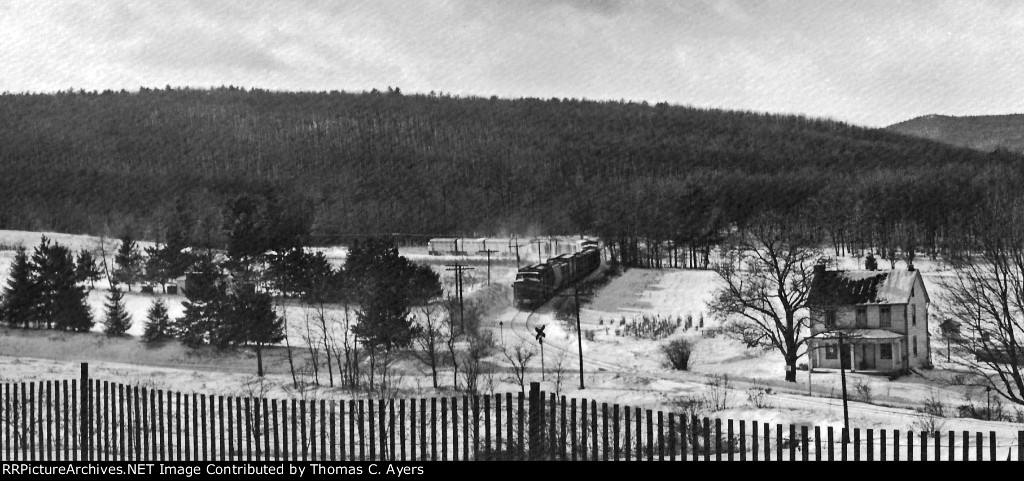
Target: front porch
x,y
865,351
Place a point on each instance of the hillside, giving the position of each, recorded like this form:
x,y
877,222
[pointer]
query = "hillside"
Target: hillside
x,y
985,132
353,164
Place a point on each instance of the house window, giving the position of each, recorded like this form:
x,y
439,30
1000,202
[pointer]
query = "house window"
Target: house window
x,y
831,352
911,291
885,351
885,316
915,346
862,317
830,319
913,314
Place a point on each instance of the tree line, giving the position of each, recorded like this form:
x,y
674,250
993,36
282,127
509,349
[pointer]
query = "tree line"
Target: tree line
x,y
657,181
239,296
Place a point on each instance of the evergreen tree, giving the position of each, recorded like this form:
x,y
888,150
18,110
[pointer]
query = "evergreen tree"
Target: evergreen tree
x,y
253,321
60,303
117,321
20,293
157,266
86,268
388,285
205,307
129,262
158,323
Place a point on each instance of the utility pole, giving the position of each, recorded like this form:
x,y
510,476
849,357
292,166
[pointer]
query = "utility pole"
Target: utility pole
x,y
489,252
579,334
579,329
458,268
517,246
538,242
842,375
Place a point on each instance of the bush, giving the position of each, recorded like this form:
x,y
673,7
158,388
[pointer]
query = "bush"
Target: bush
x,y
678,353
758,397
863,391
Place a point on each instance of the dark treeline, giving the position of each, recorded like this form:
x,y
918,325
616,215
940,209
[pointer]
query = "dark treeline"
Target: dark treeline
x,y
433,165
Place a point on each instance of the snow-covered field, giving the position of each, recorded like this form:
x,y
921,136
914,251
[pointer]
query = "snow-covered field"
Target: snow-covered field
x,y
617,369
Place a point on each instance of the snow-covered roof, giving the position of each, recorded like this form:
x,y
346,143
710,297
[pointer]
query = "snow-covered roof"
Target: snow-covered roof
x,y
855,334
864,287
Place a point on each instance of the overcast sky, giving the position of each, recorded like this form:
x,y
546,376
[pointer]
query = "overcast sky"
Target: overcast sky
x,y
866,62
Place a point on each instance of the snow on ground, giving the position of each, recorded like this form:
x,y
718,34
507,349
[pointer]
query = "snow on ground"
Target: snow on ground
x,y
618,370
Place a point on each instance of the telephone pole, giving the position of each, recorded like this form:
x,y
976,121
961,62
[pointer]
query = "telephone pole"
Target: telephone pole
x,y
579,330
579,335
538,242
517,246
458,268
489,252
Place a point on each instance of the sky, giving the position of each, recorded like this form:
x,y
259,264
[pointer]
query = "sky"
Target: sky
x,y
870,63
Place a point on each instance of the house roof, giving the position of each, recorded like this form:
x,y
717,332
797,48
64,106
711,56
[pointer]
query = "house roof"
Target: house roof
x,y
861,334
863,287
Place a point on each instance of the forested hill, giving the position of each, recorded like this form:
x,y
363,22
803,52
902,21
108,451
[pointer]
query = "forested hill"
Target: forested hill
x,y
384,162
985,132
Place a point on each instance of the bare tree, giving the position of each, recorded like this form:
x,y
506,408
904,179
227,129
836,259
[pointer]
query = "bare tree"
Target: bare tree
x,y
519,357
767,277
473,366
986,296
313,343
432,334
452,327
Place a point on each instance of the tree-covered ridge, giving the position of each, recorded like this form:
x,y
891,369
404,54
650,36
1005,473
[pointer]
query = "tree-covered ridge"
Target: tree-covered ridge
x,y
982,132
384,162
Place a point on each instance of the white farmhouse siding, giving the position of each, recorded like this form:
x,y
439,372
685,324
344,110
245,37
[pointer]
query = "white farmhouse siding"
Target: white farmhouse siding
x,y
902,344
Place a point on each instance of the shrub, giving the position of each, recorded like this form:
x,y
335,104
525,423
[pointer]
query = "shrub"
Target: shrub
x,y
589,335
678,353
758,397
863,391
717,397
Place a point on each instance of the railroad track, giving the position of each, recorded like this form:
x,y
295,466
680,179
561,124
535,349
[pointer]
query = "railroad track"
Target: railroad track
x,y
522,323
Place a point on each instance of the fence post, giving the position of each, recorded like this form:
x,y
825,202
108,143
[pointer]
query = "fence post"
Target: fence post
x,y
535,427
84,415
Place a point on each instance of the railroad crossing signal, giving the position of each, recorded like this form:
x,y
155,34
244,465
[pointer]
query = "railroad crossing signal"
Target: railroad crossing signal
x,y
540,339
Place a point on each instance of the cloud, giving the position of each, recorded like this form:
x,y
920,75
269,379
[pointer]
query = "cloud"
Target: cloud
x,y
871,62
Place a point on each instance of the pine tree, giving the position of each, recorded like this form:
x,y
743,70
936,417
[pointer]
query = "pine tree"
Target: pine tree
x,y
205,307
86,268
157,267
158,323
129,262
60,302
20,293
252,320
118,321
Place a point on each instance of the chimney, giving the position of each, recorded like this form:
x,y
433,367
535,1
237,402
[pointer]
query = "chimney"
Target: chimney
x,y
819,268
910,266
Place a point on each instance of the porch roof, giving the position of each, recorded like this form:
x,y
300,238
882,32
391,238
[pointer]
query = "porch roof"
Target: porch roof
x,y
856,335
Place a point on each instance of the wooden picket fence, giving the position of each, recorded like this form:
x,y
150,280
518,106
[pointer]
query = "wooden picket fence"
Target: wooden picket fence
x,y
61,420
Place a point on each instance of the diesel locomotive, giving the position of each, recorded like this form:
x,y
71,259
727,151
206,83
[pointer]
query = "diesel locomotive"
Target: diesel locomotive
x,y
536,284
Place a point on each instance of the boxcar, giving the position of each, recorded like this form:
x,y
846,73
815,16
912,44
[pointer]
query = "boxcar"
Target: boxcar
x,y
443,246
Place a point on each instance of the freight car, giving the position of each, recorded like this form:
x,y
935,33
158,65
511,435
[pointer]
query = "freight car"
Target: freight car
x,y
536,284
439,247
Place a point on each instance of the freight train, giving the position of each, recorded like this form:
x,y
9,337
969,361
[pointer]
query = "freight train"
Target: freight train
x,y
536,284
